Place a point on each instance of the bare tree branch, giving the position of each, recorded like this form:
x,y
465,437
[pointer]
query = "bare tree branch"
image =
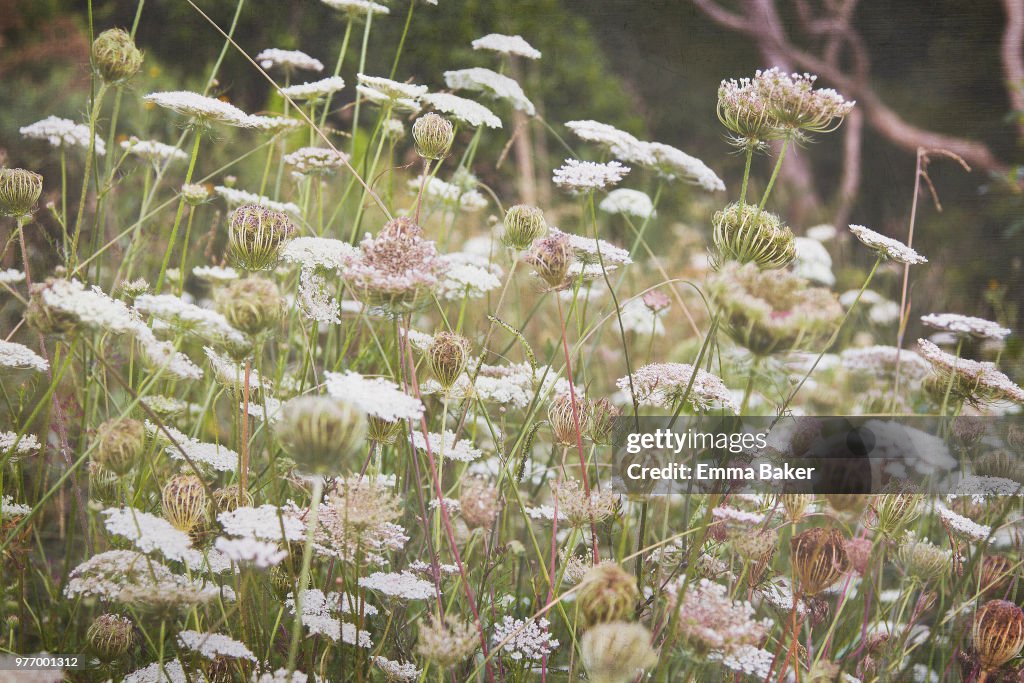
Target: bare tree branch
x,y
1013,62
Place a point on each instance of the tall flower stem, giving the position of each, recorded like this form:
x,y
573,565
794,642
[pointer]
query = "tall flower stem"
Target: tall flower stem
x,y
362,66
93,116
337,70
775,174
243,468
952,376
750,384
307,560
835,335
746,174
177,218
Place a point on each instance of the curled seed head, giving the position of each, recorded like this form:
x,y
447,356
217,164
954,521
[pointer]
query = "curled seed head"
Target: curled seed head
x,y
119,445
19,191
569,419
746,234
110,636
321,431
447,357
602,421
607,593
231,497
115,56
251,304
433,135
617,652
523,224
552,256
255,235
998,633
819,558
184,502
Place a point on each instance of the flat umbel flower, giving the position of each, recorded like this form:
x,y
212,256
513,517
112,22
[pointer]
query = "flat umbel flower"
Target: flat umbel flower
x,y
266,522
506,45
147,532
628,203
492,83
886,246
289,60
250,551
391,90
973,381
356,8
464,279
152,150
376,396
314,90
208,325
965,325
214,645
399,585
586,176
520,639
15,357
395,670
462,451
215,456
440,193
663,384
13,447
313,161
319,253
463,110
589,250
60,132
200,109
712,622
446,642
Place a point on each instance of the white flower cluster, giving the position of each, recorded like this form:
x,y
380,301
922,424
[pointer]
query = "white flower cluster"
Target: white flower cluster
x,y
731,514
200,108
203,322
880,361
250,551
886,246
152,150
402,585
60,132
515,385
288,59
235,197
637,317
628,203
965,325
962,525
314,90
15,356
662,384
491,83
357,7
148,533
214,645
396,671
319,252
463,451
265,522
218,457
813,262
586,176
375,396
8,508
747,659
315,160
590,250
398,95
462,278
506,45
315,300
522,639
11,276
667,161
980,488
157,672
467,111
437,191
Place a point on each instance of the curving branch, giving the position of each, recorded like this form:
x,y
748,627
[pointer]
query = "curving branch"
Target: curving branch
x,y
878,115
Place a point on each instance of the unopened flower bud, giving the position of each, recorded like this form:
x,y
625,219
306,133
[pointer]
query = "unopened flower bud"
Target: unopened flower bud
x,y
119,445
607,593
523,224
255,235
320,432
184,502
195,194
617,652
110,636
552,257
447,357
433,135
19,191
115,56
251,304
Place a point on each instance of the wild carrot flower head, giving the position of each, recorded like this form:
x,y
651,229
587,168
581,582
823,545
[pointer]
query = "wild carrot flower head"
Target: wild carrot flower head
x,y
569,418
397,268
315,161
289,60
551,257
110,636
321,432
965,325
446,642
580,177
773,311
520,639
491,83
314,90
184,502
607,593
120,444
710,621
972,381
506,45
746,234
664,384
252,305
255,236
19,191
200,109
463,110
886,246
923,561
433,136
60,132
579,509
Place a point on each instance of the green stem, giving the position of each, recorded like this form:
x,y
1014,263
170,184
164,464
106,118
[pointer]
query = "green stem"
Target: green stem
x,y
93,115
307,559
775,174
746,174
177,217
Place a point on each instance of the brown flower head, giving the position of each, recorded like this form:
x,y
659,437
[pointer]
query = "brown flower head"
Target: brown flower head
x,y
819,558
998,633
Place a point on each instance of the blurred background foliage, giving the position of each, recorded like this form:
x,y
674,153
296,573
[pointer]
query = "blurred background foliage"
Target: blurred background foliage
x,y
651,68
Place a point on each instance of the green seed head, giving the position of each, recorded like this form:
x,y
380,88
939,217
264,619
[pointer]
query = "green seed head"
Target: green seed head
x,y
320,432
252,304
119,445
746,234
115,56
523,224
433,135
111,636
255,235
19,191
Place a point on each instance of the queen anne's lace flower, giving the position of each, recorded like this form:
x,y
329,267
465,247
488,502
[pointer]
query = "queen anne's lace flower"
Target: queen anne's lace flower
x,y
506,45
11,276
662,384
973,380
628,203
288,59
205,323
250,551
315,160
319,252
392,90
492,83
62,133
463,451
437,191
214,645
587,248
15,356
394,670
585,176
375,396
965,325
148,533
218,274
881,362
402,585
467,111
266,523
153,150
357,7
218,457
235,197
466,279
9,509
200,108
315,90
520,639
962,525
166,672
886,246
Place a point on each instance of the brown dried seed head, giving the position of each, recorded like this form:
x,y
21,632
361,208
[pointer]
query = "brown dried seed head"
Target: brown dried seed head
x,y
819,558
998,633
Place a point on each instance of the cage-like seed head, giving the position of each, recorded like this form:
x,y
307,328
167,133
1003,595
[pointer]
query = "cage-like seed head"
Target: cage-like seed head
x,y
523,224
819,558
115,56
19,191
320,432
384,432
255,235
552,256
758,548
995,573
894,510
617,652
795,504
119,445
252,304
607,593
479,503
184,502
564,423
111,636
998,633
447,357
433,135
231,497
602,421
746,234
